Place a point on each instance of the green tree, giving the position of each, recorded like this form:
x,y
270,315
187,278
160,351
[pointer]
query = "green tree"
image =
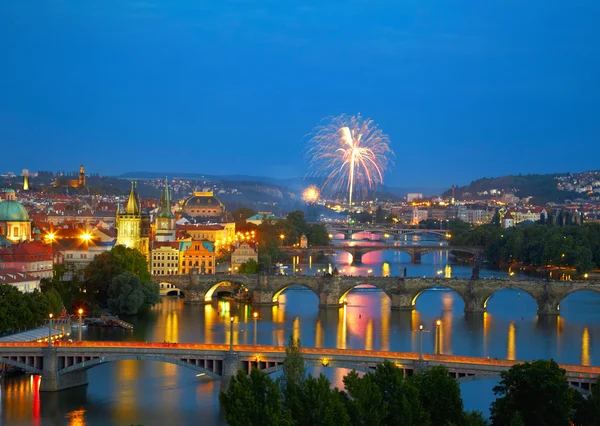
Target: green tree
x,y
319,404
249,267
475,418
317,235
440,395
537,391
127,294
379,215
587,410
384,397
14,312
100,272
253,400
54,301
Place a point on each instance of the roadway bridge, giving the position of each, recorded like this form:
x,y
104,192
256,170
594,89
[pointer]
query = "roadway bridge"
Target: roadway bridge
x,y
348,230
403,292
357,252
66,365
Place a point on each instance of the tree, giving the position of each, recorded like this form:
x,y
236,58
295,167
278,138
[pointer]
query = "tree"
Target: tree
x,y
100,272
249,267
440,395
318,235
320,405
384,397
537,391
253,400
14,312
587,410
242,213
379,215
542,220
475,418
54,301
127,294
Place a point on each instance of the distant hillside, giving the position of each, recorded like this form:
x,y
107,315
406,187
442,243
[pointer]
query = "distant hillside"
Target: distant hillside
x,y
556,187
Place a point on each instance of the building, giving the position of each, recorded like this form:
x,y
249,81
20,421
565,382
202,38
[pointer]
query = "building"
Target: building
x,y
303,241
508,221
221,234
132,224
64,181
165,258
164,224
257,219
25,282
242,253
411,196
15,225
80,252
30,257
197,256
203,205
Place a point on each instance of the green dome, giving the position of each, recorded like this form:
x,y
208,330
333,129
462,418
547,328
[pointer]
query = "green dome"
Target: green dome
x,y
13,211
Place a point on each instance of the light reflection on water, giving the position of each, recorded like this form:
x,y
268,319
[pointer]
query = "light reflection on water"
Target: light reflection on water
x,y
140,392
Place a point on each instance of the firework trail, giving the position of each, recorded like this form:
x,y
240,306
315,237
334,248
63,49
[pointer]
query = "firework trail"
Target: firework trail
x,y
350,152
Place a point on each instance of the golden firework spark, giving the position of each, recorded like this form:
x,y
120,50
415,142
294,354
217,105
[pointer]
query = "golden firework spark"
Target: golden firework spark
x,y
350,152
311,194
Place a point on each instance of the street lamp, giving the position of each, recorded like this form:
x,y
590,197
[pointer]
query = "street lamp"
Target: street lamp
x,y
231,335
50,315
255,318
421,346
80,312
438,323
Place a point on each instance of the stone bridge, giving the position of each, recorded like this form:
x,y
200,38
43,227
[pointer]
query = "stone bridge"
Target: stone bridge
x,y
66,365
403,292
357,252
385,229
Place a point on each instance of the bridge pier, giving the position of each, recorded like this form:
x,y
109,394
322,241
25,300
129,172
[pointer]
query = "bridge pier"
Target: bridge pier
x,y
329,300
402,302
548,309
262,298
52,381
231,365
194,296
415,257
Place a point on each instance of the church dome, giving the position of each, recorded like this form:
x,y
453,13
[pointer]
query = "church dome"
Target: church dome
x,y
13,211
201,199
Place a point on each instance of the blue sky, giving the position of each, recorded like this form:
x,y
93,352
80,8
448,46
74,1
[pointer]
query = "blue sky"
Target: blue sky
x,y
464,89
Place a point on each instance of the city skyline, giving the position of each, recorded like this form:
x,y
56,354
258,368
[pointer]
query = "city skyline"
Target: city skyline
x,y
135,81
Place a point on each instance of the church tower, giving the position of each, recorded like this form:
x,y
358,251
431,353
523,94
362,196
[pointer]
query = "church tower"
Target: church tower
x,y
165,219
81,180
129,222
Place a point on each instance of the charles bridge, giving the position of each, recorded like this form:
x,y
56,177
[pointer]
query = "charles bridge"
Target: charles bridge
x,y
403,292
66,365
415,251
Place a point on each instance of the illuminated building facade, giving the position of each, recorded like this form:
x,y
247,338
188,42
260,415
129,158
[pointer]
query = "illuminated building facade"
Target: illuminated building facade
x,y
133,225
244,252
165,228
164,259
199,256
73,183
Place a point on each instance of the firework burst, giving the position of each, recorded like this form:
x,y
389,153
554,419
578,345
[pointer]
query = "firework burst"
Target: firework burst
x,y
350,152
311,194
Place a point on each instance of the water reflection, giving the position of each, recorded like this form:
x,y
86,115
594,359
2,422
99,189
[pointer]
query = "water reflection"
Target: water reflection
x,y
585,347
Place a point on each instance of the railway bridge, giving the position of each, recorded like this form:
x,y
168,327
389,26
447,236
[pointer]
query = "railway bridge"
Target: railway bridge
x,y
65,366
357,252
348,230
403,292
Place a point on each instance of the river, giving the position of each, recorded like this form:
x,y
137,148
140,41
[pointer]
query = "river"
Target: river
x,y
148,393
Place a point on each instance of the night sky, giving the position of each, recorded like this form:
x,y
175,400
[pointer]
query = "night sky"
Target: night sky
x,y
464,89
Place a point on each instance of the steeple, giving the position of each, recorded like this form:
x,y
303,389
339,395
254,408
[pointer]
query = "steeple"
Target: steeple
x,y
164,210
133,205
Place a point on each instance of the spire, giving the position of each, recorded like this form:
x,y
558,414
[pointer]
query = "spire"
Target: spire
x,y
133,206
164,210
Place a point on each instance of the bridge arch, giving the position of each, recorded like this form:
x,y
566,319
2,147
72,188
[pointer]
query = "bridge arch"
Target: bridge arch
x,y
277,293
342,298
563,296
23,366
489,296
442,285
211,290
86,365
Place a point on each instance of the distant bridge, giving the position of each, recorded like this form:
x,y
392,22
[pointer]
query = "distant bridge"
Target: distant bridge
x,y
348,230
357,252
66,365
403,292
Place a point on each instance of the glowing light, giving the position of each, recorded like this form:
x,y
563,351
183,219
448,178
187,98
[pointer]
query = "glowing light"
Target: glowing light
x,y
311,194
86,236
50,237
255,315
80,311
350,152
438,323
